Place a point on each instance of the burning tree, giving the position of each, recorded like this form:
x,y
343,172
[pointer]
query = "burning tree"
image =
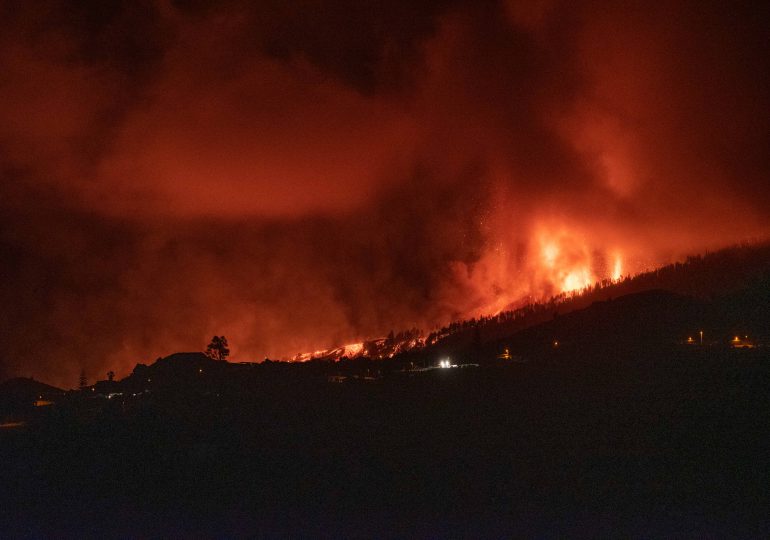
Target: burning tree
x,y
217,349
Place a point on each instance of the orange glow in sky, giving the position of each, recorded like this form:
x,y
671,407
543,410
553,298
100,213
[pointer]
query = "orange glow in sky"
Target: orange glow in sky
x,y
299,175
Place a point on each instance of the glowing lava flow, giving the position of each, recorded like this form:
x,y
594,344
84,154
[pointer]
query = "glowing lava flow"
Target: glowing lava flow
x,y
351,350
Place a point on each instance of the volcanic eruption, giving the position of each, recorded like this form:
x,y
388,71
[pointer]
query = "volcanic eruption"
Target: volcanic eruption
x,y
300,175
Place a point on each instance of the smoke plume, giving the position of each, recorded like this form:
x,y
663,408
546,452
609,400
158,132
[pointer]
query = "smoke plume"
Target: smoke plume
x,y
302,174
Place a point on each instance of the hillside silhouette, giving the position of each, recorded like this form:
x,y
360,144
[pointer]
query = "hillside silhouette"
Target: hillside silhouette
x,y
735,279
602,413
732,280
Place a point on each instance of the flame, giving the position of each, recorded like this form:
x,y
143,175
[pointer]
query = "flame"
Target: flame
x,y
566,259
617,269
577,279
554,254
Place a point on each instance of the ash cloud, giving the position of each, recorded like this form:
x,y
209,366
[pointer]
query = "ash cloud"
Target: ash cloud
x,y
304,174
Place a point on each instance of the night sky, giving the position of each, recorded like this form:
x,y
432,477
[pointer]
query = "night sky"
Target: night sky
x,y
300,174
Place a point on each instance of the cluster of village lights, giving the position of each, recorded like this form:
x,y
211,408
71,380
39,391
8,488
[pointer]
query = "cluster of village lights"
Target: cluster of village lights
x,y
736,341
691,340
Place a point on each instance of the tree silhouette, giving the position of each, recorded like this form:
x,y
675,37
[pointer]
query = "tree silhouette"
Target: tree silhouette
x,y
83,381
217,349
110,375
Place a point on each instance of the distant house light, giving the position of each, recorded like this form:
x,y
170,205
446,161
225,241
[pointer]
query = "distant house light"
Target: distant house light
x,y
739,343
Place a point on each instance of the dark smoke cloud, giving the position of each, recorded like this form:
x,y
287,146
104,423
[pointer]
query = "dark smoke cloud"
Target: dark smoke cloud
x,y
303,174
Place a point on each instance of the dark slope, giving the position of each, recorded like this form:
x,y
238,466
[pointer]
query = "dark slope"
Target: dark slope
x,y
26,386
654,318
19,396
619,431
651,317
653,445
733,280
22,391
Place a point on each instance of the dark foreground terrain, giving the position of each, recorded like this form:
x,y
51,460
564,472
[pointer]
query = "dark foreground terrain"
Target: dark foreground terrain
x,y
643,442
